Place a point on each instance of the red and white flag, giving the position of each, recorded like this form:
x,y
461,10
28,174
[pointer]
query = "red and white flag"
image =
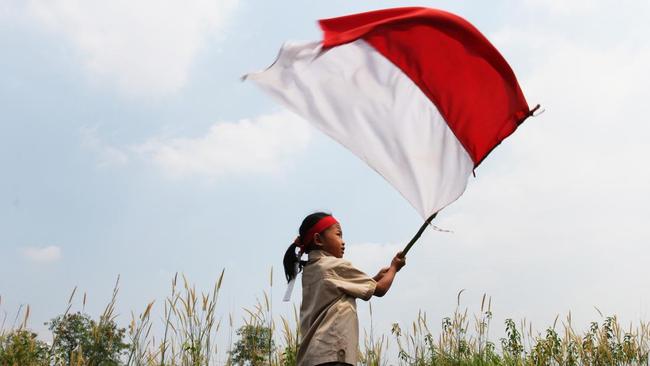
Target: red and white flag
x,y
419,94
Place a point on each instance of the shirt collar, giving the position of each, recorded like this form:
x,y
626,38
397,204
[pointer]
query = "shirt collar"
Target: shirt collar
x,y
316,254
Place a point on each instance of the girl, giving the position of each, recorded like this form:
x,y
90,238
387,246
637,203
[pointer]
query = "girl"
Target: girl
x,y
329,326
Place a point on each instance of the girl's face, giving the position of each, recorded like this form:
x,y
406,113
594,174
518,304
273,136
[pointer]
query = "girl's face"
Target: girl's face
x,y
331,241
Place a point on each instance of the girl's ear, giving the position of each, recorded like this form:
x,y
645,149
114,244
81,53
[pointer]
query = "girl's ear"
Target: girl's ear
x,y
318,240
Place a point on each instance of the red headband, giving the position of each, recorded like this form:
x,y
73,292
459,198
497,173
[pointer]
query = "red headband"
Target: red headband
x,y
321,225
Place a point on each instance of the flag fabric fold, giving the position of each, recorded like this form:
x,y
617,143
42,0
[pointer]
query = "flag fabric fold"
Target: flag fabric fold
x,y
419,94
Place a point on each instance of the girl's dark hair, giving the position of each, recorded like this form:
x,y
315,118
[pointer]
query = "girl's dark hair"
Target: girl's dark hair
x,y
290,256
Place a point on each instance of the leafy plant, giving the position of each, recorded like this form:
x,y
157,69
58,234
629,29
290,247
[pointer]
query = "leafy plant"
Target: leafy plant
x,y
254,346
81,340
21,348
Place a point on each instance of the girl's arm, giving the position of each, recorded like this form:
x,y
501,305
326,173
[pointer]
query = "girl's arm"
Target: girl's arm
x,y
385,279
380,274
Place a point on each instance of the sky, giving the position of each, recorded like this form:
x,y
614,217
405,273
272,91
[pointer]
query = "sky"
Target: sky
x,y
130,146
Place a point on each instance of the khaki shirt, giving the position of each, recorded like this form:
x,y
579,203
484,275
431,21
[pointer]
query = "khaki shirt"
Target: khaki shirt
x,y
329,325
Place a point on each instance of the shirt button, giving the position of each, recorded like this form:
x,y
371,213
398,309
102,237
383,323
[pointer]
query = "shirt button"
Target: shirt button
x,y
341,354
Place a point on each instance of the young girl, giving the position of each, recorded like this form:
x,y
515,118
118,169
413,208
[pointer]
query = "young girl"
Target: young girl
x,y
329,326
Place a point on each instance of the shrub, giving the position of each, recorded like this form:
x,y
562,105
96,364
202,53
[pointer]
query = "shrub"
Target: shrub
x,y
21,348
80,340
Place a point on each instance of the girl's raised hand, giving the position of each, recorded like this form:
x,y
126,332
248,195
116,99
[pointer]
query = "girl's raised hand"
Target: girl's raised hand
x,y
398,261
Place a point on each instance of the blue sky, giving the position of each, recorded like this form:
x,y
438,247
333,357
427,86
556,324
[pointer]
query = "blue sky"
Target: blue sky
x,y
125,148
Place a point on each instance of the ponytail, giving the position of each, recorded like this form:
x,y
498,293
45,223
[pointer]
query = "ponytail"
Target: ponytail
x,y
291,262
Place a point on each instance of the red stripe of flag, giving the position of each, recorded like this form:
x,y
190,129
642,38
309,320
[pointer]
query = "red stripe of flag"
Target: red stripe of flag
x,y
453,64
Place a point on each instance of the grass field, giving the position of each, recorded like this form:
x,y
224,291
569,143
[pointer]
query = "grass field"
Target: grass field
x,y
190,328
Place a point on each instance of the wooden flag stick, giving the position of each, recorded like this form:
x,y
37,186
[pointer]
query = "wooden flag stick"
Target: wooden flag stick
x,y
418,234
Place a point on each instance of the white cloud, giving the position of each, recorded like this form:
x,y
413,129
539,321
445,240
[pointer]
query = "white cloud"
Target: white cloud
x,y
47,254
594,130
144,47
262,145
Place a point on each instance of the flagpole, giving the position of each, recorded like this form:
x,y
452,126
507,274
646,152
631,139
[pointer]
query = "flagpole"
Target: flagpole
x,y
418,234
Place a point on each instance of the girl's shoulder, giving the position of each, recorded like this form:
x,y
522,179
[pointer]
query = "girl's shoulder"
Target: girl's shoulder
x,y
326,264
340,268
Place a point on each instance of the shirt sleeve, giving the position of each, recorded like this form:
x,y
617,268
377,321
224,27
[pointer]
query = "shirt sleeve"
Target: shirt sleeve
x,y
352,281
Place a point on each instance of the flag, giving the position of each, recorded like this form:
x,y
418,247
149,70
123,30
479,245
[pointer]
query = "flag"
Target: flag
x,y
419,94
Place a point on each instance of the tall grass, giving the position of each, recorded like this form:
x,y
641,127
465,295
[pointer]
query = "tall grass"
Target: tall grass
x,y
189,328
374,347
605,343
186,335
